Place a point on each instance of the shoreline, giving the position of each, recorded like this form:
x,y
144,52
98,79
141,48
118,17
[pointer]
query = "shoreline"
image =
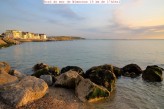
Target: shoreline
x,y
7,42
70,87
56,98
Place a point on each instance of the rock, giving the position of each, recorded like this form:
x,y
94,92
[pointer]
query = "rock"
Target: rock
x,y
6,79
86,90
102,75
25,91
2,43
44,71
47,79
18,74
54,71
47,71
40,66
67,79
117,71
5,67
10,41
131,70
152,74
73,68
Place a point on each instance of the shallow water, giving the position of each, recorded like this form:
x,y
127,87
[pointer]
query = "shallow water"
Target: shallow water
x,y
129,94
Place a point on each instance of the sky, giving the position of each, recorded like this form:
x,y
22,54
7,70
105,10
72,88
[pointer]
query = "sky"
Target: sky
x,y
131,19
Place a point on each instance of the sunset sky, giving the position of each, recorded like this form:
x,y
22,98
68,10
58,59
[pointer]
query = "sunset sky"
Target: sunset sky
x,y
131,19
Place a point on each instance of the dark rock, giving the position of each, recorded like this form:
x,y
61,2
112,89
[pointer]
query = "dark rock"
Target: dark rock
x,y
44,69
131,70
38,73
54,71
40,66
73,68
5,67
153,74
102,75
117,71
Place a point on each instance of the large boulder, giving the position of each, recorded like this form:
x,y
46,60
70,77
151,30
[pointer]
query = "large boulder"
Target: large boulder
x,y
153,74
5,67
18,74
27,90
47,78
67,79
131,70
86,90
6,78
73,68
102,75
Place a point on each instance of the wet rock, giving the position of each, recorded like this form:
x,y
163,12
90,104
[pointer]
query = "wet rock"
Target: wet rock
x,y
131,70
25,91
153,74
86,90
44,69
6,78
102,75
47,79
47,71
5,67
40,66
67,79
117,71
55,71
73,68
18,74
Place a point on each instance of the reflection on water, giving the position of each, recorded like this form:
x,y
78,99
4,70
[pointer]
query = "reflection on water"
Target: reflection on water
x,y
129,94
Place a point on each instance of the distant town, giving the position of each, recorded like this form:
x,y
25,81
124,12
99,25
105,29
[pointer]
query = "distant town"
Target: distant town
x,y
13,37
16,34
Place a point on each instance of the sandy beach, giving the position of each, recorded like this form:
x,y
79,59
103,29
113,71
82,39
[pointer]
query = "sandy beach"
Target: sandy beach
x,y
56,98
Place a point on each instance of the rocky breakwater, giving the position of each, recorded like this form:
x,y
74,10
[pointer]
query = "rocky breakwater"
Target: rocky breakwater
x,y
98,82
17,89
6,42
73,77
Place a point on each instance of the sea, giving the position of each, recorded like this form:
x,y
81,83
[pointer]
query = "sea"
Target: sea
x,y
129,94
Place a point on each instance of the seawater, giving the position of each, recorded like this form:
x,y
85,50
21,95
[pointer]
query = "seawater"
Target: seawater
x,y
129,93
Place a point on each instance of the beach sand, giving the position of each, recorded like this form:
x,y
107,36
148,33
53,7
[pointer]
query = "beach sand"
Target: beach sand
x,y
56,98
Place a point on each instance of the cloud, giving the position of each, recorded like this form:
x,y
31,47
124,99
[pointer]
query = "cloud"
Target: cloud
x,y
30,10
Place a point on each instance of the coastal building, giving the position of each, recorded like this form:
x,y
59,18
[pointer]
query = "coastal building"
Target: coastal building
x,y
24,35
13,34
36,36
43,36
